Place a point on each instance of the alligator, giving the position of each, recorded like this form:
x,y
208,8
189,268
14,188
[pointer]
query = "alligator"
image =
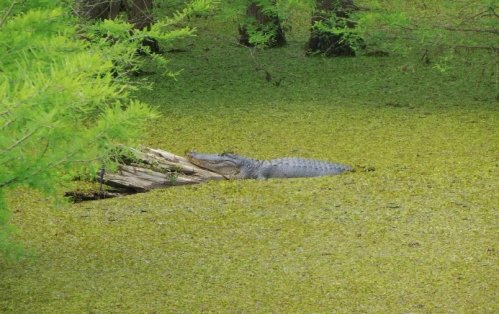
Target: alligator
x,y
233,166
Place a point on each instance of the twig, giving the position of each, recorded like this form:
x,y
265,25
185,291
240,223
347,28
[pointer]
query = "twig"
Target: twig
x,y
472,17
497,75
447,45
251,52
493,12
9,10
19,142
468,30
21,101
475,47
233,43
452,29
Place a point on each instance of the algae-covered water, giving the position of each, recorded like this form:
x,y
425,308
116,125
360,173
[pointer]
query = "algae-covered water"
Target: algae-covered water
x,y
412,229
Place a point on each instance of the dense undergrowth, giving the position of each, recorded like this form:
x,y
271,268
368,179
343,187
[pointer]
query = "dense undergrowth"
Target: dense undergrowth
x,y
416,235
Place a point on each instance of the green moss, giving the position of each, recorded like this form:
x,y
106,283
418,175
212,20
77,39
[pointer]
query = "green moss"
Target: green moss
x,y
418,234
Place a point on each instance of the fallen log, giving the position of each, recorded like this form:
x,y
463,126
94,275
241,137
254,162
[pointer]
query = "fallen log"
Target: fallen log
x,y
146,169
155,168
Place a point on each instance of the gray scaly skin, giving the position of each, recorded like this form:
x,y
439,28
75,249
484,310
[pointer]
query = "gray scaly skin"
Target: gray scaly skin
x,y
234,166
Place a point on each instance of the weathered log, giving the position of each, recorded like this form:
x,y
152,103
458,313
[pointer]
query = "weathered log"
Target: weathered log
x,y
154,168
146,169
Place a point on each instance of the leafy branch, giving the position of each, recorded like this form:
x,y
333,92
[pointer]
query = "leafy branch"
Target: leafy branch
x,y
10,10
125,117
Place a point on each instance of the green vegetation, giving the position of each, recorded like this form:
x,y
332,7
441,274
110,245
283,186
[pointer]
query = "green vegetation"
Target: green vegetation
x,y
65,97
60,107
413,229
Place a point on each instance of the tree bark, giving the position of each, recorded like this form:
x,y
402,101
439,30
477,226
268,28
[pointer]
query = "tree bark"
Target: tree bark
x,y
262,21
138,11
98,9
140,14
332,13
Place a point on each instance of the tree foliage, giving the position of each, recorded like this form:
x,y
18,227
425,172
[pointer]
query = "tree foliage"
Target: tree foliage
x,y
443,28
65,96
60,108
439,31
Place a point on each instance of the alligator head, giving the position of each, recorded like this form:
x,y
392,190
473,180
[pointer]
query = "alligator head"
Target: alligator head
x,y
225,164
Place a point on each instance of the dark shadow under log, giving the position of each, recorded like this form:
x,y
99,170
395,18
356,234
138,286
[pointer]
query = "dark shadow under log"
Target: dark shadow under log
x,y
81,196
